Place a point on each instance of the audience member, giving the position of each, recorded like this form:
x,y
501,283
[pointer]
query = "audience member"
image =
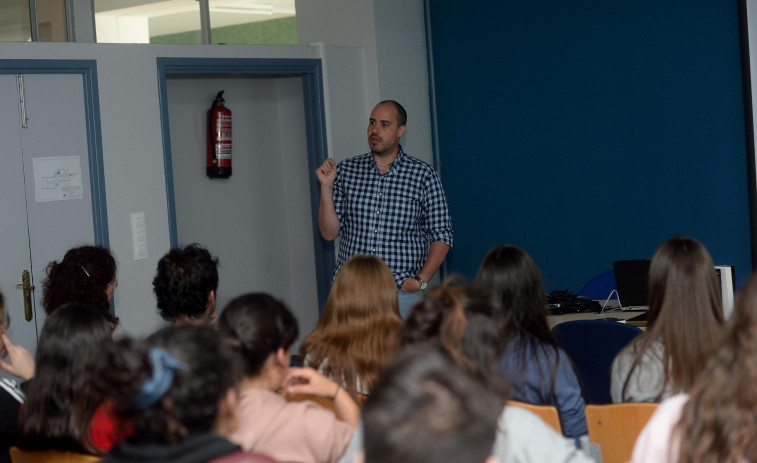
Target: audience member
x,y
426,408
177,392
11,396
16,360
86,275
185,285
357,335
717,420
683,327
261,330
539,371
60,404
465,324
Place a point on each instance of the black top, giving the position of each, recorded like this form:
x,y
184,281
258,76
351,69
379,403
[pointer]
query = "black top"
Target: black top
x,y
11,399
194,449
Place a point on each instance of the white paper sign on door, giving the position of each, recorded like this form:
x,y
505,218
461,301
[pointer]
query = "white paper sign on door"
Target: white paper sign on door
x,y
57,178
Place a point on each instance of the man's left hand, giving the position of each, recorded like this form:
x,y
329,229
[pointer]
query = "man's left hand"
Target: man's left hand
x,y
411,285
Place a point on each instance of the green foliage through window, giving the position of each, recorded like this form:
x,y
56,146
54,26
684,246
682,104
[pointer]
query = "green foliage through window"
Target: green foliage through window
x,y
282,31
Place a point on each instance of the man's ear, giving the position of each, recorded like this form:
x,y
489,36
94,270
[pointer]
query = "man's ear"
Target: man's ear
x,y
212,298
401,131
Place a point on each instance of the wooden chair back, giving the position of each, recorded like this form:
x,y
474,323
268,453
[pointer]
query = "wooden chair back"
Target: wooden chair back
x,y
50,456
615,428
548,413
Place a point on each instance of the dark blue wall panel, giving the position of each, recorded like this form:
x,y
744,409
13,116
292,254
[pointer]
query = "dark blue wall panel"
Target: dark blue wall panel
x,y
590,131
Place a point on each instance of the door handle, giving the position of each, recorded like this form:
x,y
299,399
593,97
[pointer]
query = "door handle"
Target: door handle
x,y
28,288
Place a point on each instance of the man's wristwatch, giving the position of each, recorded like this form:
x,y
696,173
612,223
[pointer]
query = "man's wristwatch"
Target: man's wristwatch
x,y
424,284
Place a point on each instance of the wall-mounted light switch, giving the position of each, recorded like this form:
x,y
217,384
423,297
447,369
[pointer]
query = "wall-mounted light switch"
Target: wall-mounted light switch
x,y
139,235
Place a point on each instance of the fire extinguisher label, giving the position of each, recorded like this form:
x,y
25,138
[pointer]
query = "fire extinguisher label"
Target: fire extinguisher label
x,y
223,137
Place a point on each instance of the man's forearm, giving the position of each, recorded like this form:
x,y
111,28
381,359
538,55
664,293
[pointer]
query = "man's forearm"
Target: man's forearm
x,y
436,254
328,221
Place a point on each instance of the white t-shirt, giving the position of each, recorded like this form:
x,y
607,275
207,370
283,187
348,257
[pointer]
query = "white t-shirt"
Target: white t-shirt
x,y
655,442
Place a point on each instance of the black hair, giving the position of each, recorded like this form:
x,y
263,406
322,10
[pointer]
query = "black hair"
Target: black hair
x,y
191,403
81,277
255,325
401,113
60,403
426,408
183,281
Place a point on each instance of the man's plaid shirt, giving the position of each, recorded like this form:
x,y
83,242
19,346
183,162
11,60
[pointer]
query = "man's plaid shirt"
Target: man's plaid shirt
x,y
394,215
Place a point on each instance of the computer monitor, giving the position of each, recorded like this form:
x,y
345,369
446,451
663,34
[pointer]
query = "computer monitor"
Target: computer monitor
x,y
632,278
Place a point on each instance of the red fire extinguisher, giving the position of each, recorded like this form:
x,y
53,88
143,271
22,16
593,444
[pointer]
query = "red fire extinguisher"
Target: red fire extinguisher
x,y
219,139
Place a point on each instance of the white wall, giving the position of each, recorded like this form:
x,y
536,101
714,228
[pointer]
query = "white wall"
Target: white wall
x,y
392,37
403,68
346,133
258,222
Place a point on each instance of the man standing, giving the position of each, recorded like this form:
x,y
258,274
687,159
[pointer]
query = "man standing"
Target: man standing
x,y
387,203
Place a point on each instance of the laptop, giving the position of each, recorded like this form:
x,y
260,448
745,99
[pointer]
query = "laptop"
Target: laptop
x,y
638,320
631,277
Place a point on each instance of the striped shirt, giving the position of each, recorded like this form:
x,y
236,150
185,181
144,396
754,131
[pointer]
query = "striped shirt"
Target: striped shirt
x,y
393,215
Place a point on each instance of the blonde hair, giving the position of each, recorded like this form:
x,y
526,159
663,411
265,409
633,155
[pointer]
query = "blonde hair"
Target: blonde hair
x,y
358,333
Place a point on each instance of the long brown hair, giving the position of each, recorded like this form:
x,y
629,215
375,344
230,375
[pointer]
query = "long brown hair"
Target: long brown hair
x,y
685,312
357,334
719,422
466,323
515,280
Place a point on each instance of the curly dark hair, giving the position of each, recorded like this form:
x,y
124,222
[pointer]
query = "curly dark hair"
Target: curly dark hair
x,y
184,280
82,277
190,406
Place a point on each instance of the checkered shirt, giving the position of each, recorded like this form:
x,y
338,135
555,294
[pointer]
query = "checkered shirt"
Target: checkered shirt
x,y
394,215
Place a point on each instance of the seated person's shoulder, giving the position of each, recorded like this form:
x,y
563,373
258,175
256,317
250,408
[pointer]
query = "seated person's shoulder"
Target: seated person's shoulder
x,y
10,390
243,457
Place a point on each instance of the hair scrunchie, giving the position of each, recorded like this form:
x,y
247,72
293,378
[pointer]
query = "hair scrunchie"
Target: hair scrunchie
x,y
163,366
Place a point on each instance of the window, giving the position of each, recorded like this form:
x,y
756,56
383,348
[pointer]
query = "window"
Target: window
x,y
181,21
30,20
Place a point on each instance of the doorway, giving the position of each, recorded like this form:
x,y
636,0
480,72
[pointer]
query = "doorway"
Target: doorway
x,y
261,222
52,194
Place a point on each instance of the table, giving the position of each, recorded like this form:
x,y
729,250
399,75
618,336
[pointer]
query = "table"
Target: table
x,y
622,315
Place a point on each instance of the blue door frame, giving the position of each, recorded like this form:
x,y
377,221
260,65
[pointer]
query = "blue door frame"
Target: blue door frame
x,y
312,80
